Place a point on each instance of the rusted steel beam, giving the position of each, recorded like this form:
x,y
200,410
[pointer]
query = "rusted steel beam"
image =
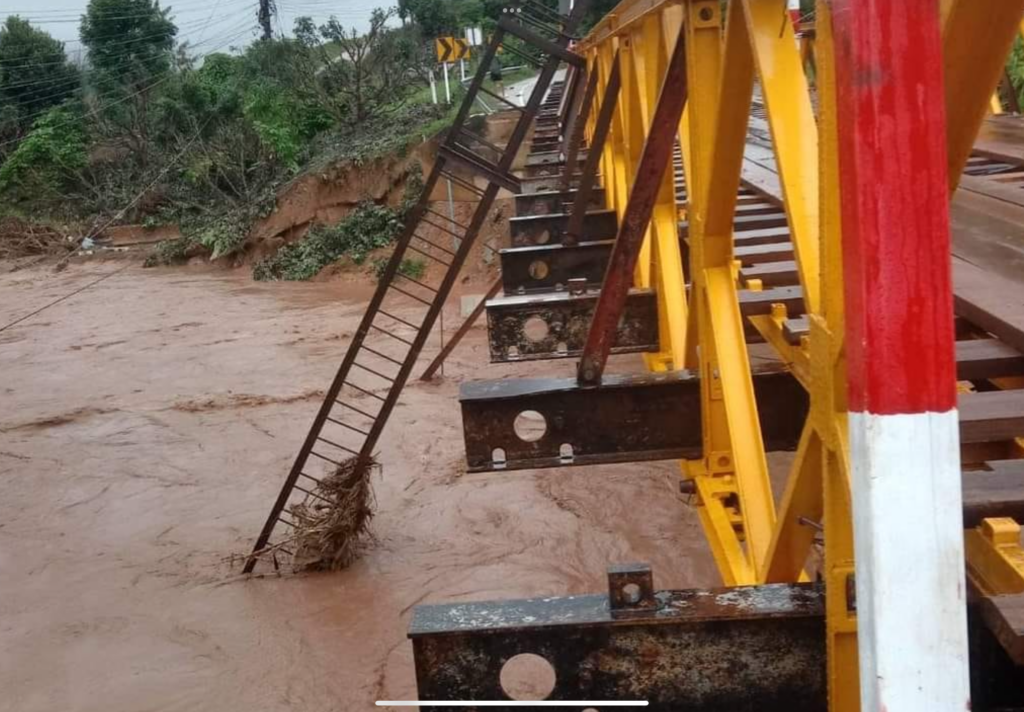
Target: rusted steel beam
x,y
551,158
541,184
461,332
702,650
628,418
643,194
577,121
533,230
602,125
548,268
548,202
555,325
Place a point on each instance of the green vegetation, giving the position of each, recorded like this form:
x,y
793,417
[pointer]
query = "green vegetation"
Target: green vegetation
x,y
367,228
150,131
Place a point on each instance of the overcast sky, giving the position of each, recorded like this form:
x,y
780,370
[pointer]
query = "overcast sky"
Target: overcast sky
x,y
207,25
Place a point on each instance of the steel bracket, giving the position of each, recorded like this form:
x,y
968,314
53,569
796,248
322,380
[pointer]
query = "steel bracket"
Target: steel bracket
x,y
703,650
536,230
522,328
628,418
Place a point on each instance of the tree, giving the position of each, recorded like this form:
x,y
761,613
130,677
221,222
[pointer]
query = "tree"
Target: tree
x,y
48,160
435,17
130,45
362,76
34,72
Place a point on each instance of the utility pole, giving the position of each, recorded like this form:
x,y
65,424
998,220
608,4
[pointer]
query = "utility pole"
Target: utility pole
x,y
266,9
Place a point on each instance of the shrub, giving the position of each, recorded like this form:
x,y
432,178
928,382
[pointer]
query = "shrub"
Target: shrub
x,y
45,163
367,228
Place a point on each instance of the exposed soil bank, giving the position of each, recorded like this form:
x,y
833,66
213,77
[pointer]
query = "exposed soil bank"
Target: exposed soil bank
x,y
146,427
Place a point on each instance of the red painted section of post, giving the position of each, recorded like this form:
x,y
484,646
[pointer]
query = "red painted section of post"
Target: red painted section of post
x,y
895,206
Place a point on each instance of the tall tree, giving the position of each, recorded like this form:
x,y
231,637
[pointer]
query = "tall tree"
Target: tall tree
x,y
130,45
362,75
34,72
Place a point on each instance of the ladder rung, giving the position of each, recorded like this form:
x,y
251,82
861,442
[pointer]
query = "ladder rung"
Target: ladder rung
x,y
309,477
480,139
393,336
522,55
346,425
416,282
280,518
332,444
427,254
286,551
408,294
399,319
311,493
434,245
465,184
389,379
364,391
375,352
352,407
441,227
453,221
502,99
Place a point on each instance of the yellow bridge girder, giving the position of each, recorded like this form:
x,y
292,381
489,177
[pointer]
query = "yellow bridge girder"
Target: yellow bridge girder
x,y
753,538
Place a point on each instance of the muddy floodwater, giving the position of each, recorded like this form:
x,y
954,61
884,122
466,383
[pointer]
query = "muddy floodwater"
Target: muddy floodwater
x,y
146,426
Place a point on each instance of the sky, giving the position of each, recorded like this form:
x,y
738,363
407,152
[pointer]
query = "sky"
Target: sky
x,y
207,25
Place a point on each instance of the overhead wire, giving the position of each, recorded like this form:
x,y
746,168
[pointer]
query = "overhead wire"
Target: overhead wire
x,y
71,81
116,43
163,77
117,216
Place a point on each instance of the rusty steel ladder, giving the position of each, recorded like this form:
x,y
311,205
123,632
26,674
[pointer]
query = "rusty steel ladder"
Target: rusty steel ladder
x,y
389,339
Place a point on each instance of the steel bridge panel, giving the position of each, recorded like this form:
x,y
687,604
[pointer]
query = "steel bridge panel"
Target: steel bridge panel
x,y
564,319
628,418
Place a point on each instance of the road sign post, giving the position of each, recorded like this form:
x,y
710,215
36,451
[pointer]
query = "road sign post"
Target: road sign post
x,y
447,88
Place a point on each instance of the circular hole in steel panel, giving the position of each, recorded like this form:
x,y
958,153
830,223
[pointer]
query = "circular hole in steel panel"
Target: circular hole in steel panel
x,y
631,592
535,329
530,426
539,269
527,677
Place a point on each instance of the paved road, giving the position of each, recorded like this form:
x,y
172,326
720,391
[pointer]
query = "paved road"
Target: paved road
x,y
519,92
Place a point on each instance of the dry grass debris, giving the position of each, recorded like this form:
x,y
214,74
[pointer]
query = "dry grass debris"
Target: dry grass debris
x,y
332,523
19,238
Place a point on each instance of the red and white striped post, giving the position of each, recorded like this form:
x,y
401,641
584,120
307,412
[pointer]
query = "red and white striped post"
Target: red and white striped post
x,y
903,425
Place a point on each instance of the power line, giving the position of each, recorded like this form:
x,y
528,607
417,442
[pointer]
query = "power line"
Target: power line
x,y
168,74
189,26
72,81
120,213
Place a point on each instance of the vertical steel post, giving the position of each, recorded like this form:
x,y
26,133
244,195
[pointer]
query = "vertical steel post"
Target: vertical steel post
x,y
901,385
647,181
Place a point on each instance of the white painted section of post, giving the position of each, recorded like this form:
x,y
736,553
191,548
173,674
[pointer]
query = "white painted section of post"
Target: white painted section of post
x,y
908,538
433,86
447,88
462,69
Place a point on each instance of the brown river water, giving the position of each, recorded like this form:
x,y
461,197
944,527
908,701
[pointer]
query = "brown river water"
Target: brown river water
x,y
146,426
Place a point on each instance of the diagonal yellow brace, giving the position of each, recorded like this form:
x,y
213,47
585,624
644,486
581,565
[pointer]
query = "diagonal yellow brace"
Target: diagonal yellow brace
x,y
755,491
801,508
794,131
976,37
